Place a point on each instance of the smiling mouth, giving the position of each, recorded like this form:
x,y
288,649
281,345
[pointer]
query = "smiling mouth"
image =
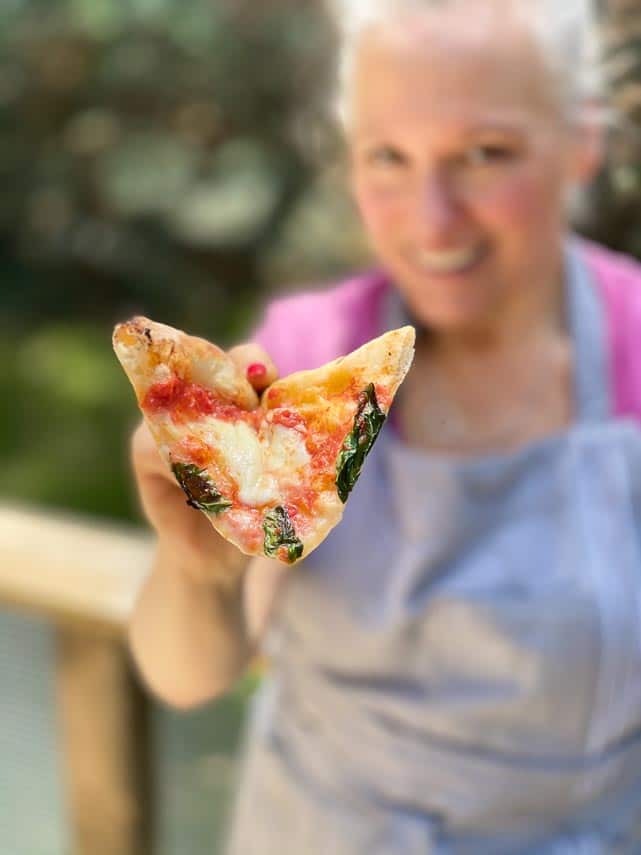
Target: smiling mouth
x,y
450,262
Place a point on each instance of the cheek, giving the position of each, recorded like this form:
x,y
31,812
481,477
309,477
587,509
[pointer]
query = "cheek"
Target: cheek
x,y
524,201
379,207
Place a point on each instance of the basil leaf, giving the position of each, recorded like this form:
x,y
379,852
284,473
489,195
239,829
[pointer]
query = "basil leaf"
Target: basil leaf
x,y
368,422
200,491
279,531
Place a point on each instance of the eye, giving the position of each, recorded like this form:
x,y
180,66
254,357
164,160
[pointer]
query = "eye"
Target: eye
x,y
489,153
386,156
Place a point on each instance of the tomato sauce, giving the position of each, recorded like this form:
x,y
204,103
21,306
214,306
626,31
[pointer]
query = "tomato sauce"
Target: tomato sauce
x,y
189,402
383,397
246,524
190,449
301,498
324,450
287,418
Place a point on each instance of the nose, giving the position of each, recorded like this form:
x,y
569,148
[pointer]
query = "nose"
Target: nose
x,y
440,207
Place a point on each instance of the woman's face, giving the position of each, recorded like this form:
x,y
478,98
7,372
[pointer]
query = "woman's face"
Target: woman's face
x,y
461,163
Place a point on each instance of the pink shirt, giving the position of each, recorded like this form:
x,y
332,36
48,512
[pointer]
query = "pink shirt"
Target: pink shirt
x,y
327,324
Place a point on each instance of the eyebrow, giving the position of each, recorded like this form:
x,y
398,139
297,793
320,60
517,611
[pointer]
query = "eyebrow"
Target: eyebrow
x,y
503,125
367,137
500,128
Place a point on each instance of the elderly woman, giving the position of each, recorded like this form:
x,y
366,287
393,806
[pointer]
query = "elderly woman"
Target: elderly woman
x,y
457,669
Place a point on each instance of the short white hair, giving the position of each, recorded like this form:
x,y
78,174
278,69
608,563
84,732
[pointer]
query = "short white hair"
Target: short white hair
x,y
566,29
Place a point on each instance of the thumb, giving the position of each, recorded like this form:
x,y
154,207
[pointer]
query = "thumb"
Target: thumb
x,y
256,364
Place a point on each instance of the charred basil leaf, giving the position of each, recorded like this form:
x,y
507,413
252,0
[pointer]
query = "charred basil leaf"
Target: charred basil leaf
x,y
200,491
368,422
279,531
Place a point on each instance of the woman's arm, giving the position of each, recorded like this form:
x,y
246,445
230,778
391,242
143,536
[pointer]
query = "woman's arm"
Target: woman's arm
x,y
188,635
201,611
191,640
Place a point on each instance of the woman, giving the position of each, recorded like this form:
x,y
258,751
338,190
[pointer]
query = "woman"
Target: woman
x,y
457,669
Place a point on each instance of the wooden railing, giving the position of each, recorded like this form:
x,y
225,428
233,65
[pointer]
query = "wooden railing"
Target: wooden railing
x,y
83,577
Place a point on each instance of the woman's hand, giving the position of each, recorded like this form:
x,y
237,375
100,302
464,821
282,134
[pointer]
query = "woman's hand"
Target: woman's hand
x,y
185,534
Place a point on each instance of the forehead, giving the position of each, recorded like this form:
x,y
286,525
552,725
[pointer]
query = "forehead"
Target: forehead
x,y
450,65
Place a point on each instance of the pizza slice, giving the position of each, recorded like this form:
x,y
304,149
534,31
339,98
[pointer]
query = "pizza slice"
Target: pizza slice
x,y
272,474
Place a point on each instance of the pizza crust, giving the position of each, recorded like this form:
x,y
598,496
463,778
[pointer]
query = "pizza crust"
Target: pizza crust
x,y
151,352
385,359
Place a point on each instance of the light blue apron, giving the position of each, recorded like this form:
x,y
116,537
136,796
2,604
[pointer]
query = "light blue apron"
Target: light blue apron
x,y
457,669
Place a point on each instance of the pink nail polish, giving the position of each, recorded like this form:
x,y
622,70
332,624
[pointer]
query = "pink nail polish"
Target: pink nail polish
x,y
256,371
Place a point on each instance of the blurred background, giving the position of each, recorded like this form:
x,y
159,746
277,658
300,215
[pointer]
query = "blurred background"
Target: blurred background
x,y
176,159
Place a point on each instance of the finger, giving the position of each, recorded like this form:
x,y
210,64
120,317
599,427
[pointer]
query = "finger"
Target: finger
x,y
146,458
255,363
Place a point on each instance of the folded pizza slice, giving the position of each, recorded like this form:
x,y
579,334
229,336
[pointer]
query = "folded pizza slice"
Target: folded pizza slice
x,y
272,474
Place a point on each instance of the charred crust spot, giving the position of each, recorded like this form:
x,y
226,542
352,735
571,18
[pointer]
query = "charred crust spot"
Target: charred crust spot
x,y
147,334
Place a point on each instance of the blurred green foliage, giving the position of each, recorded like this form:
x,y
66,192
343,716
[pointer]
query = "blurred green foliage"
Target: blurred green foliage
x,y
66,416
150,151
155,157
613,211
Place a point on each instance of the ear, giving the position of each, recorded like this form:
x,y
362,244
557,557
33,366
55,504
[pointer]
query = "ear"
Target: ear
x,y
588,147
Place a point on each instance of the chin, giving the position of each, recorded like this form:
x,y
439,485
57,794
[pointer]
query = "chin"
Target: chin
x,y
450,301
467,310
452,321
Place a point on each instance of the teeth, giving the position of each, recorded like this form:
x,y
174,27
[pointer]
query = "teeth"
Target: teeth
x,y
448,262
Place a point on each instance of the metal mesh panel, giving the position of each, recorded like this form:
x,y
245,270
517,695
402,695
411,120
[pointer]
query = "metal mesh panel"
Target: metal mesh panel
x,y
32,820
195,766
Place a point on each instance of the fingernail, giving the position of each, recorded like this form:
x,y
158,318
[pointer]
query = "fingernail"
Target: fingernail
x,y
256,371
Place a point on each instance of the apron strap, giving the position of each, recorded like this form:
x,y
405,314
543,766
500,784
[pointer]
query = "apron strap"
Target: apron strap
x,y
587,324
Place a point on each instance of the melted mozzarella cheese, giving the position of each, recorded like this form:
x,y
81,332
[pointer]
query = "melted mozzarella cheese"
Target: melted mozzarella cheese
x,y
287,451
259,463
220,375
